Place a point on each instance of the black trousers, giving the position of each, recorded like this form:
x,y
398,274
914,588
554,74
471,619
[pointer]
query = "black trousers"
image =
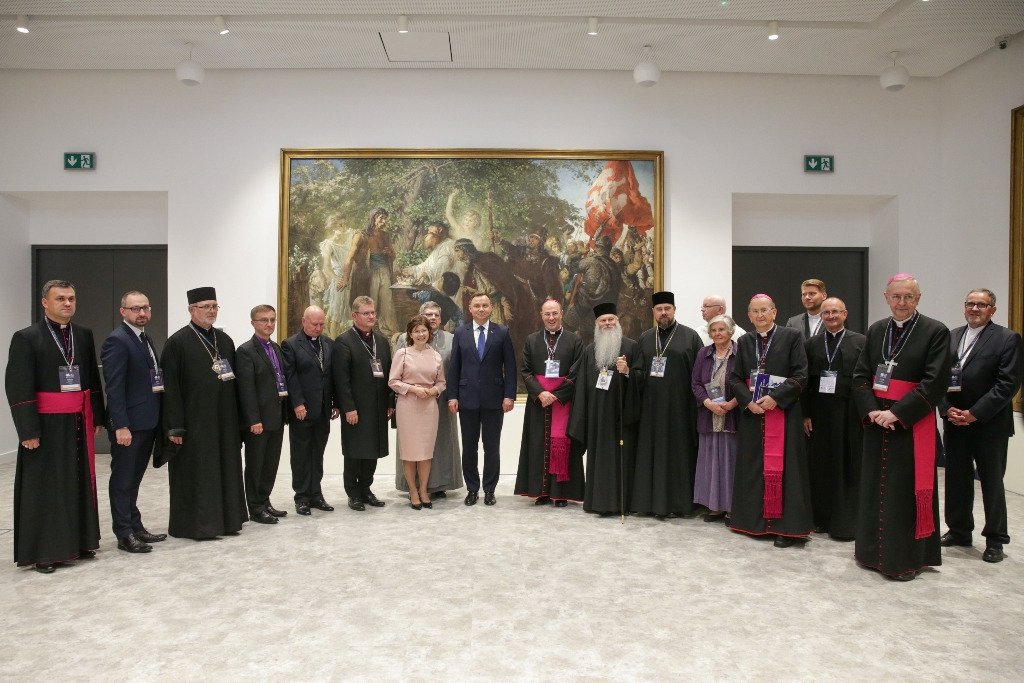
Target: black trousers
x,y
262,457
358,476
127,467
472,423
963,451
308,440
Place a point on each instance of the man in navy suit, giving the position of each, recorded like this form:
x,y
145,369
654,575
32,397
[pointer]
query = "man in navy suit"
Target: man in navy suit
x,y
481,389
978,414
134,385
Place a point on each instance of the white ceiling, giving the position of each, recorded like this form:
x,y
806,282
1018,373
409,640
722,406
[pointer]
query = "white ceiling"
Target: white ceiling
x,y
851,37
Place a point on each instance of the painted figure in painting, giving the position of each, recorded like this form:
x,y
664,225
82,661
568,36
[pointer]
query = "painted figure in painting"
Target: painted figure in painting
x,y
368,271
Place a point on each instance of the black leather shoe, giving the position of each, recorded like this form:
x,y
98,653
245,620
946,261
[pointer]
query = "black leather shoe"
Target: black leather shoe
x,y
438,494
147,537
263,517
471,498
44,568
543,500
427,504
489,499
133,544
713,517
949,540
356,504
372,500
321,505
415,506
561,503
783,541
994,555
274,512
302,509
820,530
907,576
87,554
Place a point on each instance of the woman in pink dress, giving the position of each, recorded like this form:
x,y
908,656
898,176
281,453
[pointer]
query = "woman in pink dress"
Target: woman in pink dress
x,y
417,376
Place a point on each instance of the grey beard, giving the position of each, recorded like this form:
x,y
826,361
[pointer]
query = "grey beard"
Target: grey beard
x,y
607,344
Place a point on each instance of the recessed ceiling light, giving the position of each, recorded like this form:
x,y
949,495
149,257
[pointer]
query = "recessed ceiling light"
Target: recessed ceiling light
x,y
592,26
222,27
22,23
773,30
403,23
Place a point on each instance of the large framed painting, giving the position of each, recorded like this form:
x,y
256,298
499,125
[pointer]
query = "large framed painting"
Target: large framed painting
x,y
410,226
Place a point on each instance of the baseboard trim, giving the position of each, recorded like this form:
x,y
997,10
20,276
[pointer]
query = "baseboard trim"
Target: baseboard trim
x,y
9,456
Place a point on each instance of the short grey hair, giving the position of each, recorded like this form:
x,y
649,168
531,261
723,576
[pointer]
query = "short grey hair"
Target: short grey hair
x,y
430,306
987,292
59,284
730,324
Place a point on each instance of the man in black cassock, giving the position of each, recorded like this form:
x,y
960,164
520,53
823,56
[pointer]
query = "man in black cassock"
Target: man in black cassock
x,y
550,464
203,446
901,377
771,490
53,388
605,411
831,423
666,456
361,360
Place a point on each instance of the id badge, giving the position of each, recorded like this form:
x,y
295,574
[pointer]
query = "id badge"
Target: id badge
x,y
552,368
378,370
156,380
70,378
715,392
827,384
882,377
604,380
658,366
956,379
224,372
282,388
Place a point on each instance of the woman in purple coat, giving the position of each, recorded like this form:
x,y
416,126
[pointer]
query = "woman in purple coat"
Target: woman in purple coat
x,y
716,420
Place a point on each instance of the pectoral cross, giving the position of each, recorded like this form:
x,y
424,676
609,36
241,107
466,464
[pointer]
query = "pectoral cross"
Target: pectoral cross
x,y
890,364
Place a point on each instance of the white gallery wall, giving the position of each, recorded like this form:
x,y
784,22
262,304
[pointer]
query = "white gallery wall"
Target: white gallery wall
x,y
215,151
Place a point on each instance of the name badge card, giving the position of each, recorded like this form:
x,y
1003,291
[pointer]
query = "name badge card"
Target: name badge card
x,y
223,369
715,392
882,377
604,380
282,388
156,380
70,378
378,370
827,383
552,368
658,366
956,379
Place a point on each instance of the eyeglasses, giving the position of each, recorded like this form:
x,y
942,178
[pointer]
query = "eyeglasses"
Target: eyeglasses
x,y
831,313
208,307
367,314
980,307
265,320
907,298
704,308
761,311
139,309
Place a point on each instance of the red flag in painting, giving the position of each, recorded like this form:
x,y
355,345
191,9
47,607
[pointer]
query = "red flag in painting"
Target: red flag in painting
x,y
615,201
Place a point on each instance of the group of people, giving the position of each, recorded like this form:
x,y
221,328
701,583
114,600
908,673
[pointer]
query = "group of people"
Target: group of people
x,y
783,431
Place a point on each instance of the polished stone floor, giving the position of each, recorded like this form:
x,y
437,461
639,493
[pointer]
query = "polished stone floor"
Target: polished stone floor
x,y
504,593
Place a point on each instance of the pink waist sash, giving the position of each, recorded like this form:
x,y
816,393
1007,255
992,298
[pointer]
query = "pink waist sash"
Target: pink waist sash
x,y
559,421
61,402
924,457
774,460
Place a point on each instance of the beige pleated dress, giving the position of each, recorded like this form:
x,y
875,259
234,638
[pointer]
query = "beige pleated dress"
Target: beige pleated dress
x,y
416,417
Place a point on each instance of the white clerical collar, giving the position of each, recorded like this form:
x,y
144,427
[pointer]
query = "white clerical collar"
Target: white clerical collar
x,y
137,330
766,332
901,323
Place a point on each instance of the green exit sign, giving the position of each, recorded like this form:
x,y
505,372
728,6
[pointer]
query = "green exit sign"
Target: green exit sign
x,y
79,161
819,164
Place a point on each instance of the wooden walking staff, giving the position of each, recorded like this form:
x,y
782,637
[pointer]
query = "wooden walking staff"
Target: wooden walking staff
x,y
622,464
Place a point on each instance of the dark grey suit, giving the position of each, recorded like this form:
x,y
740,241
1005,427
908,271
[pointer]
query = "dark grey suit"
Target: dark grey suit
x,y
259,403
803,325
309,384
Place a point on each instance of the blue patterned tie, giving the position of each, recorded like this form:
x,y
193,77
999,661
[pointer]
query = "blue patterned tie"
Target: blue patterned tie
x,y
480,342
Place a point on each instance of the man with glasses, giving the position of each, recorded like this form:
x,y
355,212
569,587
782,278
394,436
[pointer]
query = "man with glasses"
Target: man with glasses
x,y
263,403
362,363
809,323
901,376
203,444
978,412
308,355
713,305
831,423
134,384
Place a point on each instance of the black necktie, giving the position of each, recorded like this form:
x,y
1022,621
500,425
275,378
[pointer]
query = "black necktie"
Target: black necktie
x,y
149,352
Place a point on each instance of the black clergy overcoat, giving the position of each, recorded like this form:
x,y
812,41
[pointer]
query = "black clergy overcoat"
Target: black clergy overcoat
x,y
355,388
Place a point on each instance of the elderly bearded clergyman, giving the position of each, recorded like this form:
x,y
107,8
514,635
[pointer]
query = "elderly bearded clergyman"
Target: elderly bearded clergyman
x,y
605,411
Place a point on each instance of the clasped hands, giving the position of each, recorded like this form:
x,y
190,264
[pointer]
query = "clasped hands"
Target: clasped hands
x,y
719,407
884,419
761,405
960,418
424,392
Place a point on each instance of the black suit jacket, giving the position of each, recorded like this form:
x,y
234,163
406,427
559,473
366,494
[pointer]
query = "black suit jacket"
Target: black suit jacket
x,y
308,384
802,324
481,383
991,377
256,385
131,401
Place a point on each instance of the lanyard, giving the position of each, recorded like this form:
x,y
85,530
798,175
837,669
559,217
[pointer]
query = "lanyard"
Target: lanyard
x,y
960,355
762,357
206,343
319,348
836,351
719,362
816,327
60,346
658,350
373,353
888,352
551,349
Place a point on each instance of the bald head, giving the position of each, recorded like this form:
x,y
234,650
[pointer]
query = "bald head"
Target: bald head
x,y
833,314
714,305
313,321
